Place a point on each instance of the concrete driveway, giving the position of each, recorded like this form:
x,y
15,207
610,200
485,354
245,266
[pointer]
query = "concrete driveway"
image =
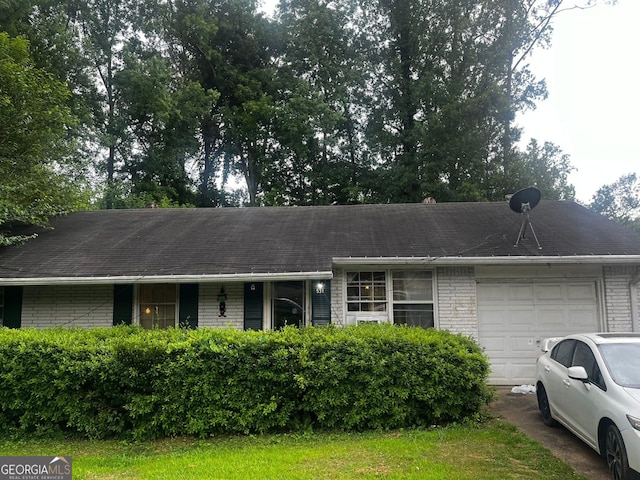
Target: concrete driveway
x,y
522,411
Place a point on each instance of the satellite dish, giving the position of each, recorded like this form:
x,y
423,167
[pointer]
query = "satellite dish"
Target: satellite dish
x,y
522,202
525,200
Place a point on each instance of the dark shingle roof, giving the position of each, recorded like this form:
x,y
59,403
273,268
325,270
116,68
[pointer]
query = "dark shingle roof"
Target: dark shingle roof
x,y
228,241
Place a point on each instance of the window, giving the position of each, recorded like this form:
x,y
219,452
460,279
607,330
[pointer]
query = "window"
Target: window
x,y
413,298
563,352
366,292
623,362
288,304
583,357
158,306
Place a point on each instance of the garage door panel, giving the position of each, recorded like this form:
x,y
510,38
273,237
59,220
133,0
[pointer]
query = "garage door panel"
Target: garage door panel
x,y
583,317
551,292
581,292
494,346
520,316
503,370
523,370
493,316
500,371
522,345
549,317
513,319
520,292
491,292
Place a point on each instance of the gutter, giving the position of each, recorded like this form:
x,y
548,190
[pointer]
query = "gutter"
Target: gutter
x,y
328,274
139,279
470,261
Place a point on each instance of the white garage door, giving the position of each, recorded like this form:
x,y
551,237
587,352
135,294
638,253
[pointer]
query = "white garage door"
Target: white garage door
x,y
514,317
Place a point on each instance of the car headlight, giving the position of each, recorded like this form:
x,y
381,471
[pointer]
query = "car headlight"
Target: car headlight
x,y
635,422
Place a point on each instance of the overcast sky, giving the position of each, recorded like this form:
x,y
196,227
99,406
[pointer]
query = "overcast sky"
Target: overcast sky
x,y
592,77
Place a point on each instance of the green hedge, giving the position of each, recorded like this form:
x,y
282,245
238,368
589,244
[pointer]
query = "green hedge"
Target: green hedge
x,y
127,382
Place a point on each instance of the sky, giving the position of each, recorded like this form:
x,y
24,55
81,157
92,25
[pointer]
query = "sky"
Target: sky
x,y
592,78
591,71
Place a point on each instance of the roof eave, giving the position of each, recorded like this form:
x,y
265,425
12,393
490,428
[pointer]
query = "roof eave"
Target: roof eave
x,y
326,275
509,260
138,279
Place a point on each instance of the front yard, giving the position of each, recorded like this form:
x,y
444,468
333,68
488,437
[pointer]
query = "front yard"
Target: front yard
x,y
491,450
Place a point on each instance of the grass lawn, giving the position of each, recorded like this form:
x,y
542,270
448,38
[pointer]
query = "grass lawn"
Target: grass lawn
x,y
493,450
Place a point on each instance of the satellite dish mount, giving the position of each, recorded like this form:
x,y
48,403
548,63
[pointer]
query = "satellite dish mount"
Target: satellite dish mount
x,y
522,202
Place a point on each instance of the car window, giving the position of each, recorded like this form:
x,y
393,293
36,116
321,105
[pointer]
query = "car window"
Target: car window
x,y
623,363
583,357
563,352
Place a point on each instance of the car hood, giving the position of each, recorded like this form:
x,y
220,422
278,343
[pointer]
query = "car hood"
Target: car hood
x,y
633,393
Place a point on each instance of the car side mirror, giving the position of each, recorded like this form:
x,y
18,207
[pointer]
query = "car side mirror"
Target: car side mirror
x,y
578,373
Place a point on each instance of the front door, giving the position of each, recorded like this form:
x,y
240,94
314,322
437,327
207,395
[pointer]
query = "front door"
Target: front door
x,y
288,304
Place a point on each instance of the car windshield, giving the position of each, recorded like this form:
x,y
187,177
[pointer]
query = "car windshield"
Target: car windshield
x,y
623,363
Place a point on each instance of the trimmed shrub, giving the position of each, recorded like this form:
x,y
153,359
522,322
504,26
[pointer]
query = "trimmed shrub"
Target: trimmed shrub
x,y
134,383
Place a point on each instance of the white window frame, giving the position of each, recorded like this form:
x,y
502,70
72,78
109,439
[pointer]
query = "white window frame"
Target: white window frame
x,y
386,316
361,300
394,302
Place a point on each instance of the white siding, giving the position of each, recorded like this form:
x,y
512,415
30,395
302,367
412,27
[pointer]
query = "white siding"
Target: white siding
x,y
68,306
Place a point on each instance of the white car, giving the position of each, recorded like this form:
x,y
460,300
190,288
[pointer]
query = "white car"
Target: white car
x,y
590,383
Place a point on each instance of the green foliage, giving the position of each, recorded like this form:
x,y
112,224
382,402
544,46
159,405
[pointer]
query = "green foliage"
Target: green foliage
x,y
328,102
545,167
128,382
162,115
620,201
34,149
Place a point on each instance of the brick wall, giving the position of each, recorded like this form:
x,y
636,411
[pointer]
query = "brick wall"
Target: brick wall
x,y
68,306
337,298
617,296
208,306
457,305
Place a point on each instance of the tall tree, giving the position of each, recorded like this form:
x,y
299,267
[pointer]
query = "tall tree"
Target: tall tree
x,y
161,112
34,146
620,201
320,122
437,96
545,167
105,28
335,101
226,47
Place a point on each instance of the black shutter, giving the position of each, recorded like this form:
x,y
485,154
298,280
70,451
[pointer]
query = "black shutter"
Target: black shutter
x,y
320,303
253,306
12,316
122,304
188,315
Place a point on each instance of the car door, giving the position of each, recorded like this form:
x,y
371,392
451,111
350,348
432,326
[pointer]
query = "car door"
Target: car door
x,y
554,374
583,398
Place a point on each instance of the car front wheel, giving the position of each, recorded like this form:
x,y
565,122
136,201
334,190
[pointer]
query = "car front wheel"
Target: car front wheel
x,y
543,405
616,454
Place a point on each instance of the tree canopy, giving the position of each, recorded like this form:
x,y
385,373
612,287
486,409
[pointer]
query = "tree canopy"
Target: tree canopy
x,y
212,103
620,201
35,159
